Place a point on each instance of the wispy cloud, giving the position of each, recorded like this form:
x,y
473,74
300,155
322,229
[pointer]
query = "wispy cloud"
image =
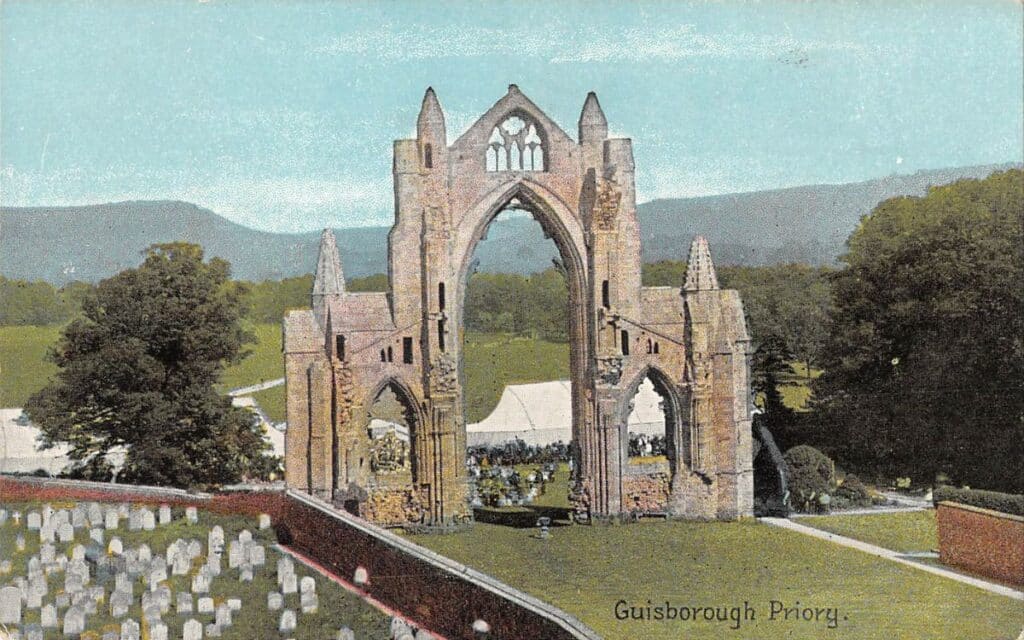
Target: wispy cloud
x,y
612,44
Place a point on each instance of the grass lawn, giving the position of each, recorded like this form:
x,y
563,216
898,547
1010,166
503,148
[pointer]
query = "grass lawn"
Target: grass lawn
x,y
272,402
24,368
336,605
903,532
586,570
264,362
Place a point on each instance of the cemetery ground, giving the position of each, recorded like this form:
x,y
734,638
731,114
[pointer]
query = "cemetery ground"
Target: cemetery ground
x,y
586,570
335,606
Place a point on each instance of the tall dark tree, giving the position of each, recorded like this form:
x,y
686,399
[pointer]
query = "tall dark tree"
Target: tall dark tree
x,y
924,365
137,371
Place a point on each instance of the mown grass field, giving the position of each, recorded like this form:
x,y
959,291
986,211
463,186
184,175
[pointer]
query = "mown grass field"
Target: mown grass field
x,y
586,570
906,532
24,368
336,606
492,361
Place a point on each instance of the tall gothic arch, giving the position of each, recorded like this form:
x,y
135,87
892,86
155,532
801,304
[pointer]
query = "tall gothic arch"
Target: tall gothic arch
x,y
692,338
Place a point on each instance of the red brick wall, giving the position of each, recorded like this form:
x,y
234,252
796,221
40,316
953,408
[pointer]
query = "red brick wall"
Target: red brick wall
x,y
443,601
984,542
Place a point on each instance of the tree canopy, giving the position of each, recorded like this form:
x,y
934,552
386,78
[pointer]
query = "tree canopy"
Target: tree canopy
x,y
137,370
924,364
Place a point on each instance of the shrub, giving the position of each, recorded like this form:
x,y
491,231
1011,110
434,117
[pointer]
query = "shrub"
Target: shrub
x,y
853,492
809,475
994,500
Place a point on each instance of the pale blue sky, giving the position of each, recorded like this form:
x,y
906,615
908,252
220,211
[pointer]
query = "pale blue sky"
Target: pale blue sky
x,y
281,115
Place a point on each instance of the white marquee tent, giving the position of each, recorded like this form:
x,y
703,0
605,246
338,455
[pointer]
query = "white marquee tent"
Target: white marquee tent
x,y
541,414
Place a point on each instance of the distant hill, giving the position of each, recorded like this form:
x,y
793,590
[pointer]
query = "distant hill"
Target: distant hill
x,y
799,224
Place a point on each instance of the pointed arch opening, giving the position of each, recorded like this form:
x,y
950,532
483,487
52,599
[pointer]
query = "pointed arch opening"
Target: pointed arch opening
x,y
392,427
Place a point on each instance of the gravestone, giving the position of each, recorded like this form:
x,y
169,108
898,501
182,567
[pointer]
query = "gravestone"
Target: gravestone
x,y
47,533
3,516
5,567
181,563
235,604
222,618
33,632
148,520
123,582
34,521
78,552
62,600
361,576
10,605
152,613
192,630
78,517
194,549
110,519
257,555
235,555
309,602
96,535
345,634
120,602
115,547
47,553
245,574
205,605
74,621
95,513
289,584
307,585
213,564
145,553
212,631
163,597
156,575
48,616
201,582
245,536
157,631
191,515
184,602
19,542
215,539
130,630
165,514
264,521
274,601
423,634
135,520
287,623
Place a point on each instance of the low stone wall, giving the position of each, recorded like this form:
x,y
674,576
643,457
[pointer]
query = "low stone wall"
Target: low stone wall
x,y
434,591
981,541
647,492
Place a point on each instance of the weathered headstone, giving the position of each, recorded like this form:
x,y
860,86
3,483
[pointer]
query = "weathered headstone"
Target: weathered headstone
x,y
235,604
130,630
47,553
120,602
10,605
115,547
163,597
183,602
135,520
236,554
191,515
19,542
212,631
213,564
264,521
148,520
65,533
257,555
78,517
96,535
157,631
145,553
245,536
34,521
423,634
95,512
274,601
165,514
361,576
33,632
181,564
215,539
245,573
194,549
289,584
307,585
222,618
345,633
5,567
110,519
48,616
309,602
74,621
201,581
288,621
205,605
192,630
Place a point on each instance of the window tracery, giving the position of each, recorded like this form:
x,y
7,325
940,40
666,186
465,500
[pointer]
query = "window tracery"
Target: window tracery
x,y
515,145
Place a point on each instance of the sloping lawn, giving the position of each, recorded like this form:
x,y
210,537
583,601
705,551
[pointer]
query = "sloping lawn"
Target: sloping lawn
x,y
903,532
24,368
587,570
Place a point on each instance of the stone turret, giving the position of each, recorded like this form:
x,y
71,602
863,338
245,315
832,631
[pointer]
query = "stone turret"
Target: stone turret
x,y
430,131
593,126
700,271
329,280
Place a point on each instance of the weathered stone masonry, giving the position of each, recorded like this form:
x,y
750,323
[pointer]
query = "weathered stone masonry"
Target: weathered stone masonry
x,y
690,340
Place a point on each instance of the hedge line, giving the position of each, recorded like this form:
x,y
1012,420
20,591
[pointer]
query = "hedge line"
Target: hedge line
x,y
994,500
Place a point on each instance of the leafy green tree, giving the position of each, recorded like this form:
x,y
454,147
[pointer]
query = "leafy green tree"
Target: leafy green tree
x,y
138,369
924,364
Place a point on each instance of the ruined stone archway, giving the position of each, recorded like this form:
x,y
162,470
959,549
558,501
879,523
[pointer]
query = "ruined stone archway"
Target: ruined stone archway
x,y
582,193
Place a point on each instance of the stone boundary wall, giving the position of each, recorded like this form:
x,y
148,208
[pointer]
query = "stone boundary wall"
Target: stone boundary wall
x,y
981,541
435,592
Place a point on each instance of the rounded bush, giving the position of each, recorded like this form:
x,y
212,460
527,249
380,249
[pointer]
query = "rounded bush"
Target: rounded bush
x,y
810,474
853,492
